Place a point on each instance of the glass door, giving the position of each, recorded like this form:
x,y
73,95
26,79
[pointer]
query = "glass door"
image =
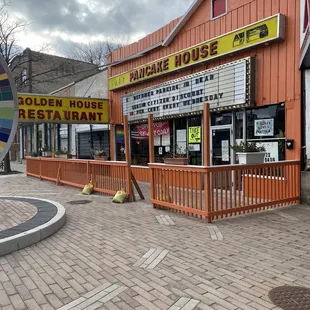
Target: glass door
x,y
221,140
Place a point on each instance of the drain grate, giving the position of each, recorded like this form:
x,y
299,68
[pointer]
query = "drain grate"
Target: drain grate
x,y
79,202
291,297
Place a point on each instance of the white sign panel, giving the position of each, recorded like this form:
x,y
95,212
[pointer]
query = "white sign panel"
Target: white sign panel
x,y
224,87
156,140
181,135
165,140
272,151
263,127
225,150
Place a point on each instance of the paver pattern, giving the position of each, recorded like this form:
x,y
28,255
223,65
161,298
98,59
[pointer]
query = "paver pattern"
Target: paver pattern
x,y
15,213
101,243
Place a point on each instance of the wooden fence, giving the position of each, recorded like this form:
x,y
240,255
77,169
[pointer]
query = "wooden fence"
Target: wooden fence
x,y
106,176
221,191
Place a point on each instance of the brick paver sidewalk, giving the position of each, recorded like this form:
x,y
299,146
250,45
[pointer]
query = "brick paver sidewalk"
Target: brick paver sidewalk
x,y
130,256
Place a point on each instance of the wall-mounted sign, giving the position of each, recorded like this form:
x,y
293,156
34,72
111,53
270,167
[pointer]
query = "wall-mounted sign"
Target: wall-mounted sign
x,y
272,151
51,109
194,134
269,29
264,127
224,87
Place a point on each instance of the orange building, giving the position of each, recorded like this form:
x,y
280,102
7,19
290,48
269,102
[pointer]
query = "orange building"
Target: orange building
x,y
240,56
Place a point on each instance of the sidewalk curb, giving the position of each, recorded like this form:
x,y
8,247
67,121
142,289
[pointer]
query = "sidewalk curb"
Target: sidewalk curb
x,y
19,237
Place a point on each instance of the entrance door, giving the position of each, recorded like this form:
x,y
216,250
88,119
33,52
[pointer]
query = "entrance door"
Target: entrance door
x,y
221,138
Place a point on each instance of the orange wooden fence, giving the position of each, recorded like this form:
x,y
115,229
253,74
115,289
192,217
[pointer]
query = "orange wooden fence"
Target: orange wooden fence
x,y
221,191
106,176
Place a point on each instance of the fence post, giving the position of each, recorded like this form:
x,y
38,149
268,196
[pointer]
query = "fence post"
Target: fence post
x,y
87,173
151,139
40,168
128,159
206,160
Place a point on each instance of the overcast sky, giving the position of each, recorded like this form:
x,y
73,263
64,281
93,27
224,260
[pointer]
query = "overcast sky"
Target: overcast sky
x,y
59,22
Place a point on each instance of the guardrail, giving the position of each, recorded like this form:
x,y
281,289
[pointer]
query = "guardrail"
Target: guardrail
x,y
221,191
106,176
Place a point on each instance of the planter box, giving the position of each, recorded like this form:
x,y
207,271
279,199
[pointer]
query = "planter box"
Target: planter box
x,y
176,161
64,156
102,158
251,158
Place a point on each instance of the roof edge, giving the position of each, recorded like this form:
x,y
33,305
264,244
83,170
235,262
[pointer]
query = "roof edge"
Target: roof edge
x,y
182,22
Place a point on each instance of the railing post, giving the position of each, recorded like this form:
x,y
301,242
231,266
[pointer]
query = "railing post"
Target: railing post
x,y
87,173
151,139
40,168
206,160
128,159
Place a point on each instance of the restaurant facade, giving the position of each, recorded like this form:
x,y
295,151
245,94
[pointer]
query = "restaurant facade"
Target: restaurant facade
x,y
241,57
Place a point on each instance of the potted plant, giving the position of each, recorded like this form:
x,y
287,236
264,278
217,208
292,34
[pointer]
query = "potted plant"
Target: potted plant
x,y
249,153
63,153
100,154
179,157
47,152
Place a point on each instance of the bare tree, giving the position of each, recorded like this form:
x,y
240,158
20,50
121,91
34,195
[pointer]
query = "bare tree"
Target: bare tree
x,y
97,52
17,59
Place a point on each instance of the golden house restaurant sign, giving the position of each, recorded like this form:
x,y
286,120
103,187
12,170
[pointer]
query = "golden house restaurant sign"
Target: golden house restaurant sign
x,y
51,109
269,29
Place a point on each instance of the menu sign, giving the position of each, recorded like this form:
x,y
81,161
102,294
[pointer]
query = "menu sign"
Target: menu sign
x,y
223,87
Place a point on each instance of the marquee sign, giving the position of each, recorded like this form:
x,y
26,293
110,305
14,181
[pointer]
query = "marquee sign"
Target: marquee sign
x,y
224,87
52,109
269,29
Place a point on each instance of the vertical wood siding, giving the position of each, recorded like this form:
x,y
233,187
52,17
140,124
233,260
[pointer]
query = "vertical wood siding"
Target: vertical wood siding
x,y
278,76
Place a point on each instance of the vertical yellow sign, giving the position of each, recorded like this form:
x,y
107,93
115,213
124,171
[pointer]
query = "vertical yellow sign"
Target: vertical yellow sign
x,y
194,134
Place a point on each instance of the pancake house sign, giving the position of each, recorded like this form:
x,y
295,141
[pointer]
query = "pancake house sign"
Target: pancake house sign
x,y
51,109
266,30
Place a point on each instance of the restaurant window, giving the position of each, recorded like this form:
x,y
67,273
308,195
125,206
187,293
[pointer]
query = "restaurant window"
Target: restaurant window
x,y
219,8
120,143
267,126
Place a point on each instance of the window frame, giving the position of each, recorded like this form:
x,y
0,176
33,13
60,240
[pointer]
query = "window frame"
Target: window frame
x,y
215,17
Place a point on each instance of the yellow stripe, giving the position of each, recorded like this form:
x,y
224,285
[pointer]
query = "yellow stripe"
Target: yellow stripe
x,y
3,76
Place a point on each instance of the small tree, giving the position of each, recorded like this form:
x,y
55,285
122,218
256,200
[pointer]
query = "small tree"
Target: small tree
x,y
97,52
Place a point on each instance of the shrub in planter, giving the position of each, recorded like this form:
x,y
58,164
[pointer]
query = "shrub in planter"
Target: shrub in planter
x,y
180,157
249,153
100,154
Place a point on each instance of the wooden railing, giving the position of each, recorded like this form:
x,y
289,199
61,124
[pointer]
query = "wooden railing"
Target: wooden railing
x,y
221,191
106,176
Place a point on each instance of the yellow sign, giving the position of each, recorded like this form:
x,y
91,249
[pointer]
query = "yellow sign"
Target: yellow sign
x,y
194,134
51,109
266,30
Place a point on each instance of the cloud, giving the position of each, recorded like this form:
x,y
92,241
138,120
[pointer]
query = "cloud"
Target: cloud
x,y
99,17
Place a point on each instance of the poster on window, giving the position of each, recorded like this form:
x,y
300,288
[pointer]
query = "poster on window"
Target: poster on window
x,y
156,140
194,134
181,148
225,150
264,127
181,135
272,151
165,140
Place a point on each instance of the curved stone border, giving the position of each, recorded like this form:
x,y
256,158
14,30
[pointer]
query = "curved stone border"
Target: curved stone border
x,y
51,216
